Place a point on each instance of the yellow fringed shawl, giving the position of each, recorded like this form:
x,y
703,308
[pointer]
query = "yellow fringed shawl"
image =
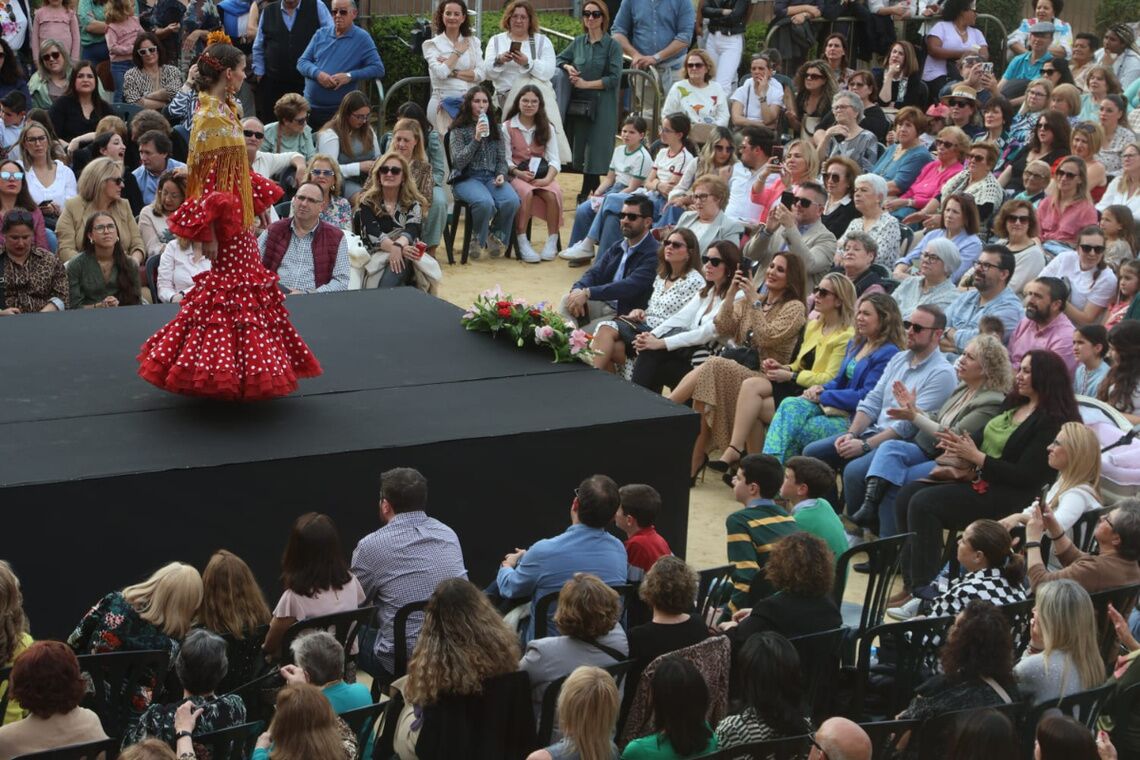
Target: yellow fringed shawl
x,y
217,145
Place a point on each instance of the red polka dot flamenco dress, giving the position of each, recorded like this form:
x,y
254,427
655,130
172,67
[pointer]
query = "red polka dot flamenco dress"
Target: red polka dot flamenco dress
x,y
232,338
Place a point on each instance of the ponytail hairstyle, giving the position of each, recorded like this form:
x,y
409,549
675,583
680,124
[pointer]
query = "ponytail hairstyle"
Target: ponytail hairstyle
x,y
542,130
993,540
682,125
127,286
214,62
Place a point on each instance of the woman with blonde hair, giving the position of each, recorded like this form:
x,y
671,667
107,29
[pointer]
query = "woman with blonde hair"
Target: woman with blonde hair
x,y
821,352
800,164
1067,208
390,218
304,726
100,189
706,218
409,141
324,172
463,643
1124,190
587,715
1075,455
1085,142
698,94
1063,657
291,131
14,634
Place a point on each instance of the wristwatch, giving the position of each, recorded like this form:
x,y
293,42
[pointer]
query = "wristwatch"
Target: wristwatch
x,y
180,734
349,75
866,448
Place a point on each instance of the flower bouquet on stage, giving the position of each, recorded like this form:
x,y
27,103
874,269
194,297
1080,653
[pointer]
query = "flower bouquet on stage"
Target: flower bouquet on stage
x,y
528,325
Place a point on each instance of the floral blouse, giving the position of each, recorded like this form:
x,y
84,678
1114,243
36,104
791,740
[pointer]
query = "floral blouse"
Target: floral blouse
x,y
158,720
338,213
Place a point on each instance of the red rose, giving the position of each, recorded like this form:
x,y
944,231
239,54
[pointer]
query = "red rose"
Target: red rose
x,y
503,305
504,311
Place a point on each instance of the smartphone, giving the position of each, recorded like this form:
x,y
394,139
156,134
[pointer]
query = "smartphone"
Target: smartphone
x,y
778,153
988,68
516,47
787,199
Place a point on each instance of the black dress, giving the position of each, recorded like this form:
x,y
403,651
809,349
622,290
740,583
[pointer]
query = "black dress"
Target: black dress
x,y
68,120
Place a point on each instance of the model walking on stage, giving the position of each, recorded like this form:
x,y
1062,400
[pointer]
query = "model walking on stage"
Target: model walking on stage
x,y
232,338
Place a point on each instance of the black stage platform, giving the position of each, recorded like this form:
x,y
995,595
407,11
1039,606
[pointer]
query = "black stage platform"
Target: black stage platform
x,y
103,477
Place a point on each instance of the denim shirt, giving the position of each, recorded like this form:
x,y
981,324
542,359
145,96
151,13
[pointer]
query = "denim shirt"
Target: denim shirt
x,y
933,380
650,25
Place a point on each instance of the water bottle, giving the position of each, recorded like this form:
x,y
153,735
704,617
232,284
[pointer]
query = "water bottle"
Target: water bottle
x,y
485,122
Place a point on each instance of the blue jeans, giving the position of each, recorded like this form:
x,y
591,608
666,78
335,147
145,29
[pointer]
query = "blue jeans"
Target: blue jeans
x,y
487,201
96,52
898,462
584,216
119,70
607,227
52,240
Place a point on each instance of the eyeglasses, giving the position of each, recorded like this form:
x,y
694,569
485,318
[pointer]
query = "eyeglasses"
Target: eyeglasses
x,y
986,266
712,262
1130,155
803,202
1066,174
931,257
977,157
912,327
307,199
358,116
322,172
592,14
1049,72
627,216
1034,175
341,12
1043,125
959,103
54,55
674,243
395,171
299,120
1108,522
35,138
1085,247
1017,219
11,175
105,228
253,133
700,197
147,50
821,292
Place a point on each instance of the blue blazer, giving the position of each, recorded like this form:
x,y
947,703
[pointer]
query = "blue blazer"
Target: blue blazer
x,y
632,291
846,395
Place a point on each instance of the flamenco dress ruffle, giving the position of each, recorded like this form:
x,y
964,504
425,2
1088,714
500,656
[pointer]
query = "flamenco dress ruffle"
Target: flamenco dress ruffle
x,y
232,338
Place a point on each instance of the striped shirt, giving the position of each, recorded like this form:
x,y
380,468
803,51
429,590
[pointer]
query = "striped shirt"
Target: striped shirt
x,y
752,532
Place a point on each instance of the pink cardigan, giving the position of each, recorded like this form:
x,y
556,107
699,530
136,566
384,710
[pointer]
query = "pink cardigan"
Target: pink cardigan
x,y
930,181
121,36
1064,225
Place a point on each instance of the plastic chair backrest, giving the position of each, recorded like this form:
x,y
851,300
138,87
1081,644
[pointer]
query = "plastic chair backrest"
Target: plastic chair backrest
x,y
819,664
362,721
914,647
105,749
345,628
115,679
233,743
883,557
400,643
546,720
788,748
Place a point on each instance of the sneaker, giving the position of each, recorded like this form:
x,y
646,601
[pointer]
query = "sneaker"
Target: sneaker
x,y
905,612
495,247
526,251
550,250
475,251
580,251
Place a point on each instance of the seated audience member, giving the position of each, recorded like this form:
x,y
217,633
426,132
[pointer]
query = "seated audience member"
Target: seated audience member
x,y
463,643
16,636
1128,285
752,530
958,222
679,698
874,120
1011,460
1026,66
870,193
757,102
629,167
962,102
108,143
931,283
148,120
324,172
807,483
35,279
401,562
1063,657
622,277
800,164
698,93
997,118
1119,226
1035,181
588,707
316,578
151,82
813,89
1125,188
801,420
678,280
977,666
899,84
45,680
975,182
1067,207
270,163
904,159
1121,387
304,725
856,258
50,181
310,256
768,669
666,353
1045,325
589,633
984,379
102,275
1117,534
530,136
799,230
1119,52
291,132
168,196
636,516
584,547
717,158
1017,229
201,665
408,141
841,738
53,62
232,602
1048,142
706,216
75,113
990,297
350,138
1090,347
1062,737
389,220
802,569
154,614
951,148
1075,455
319,659
155,749
767,328
847,137
1091,281
820,357
100,189
182,260
154,160
1085,143
669,588
14,195
839,211
992,572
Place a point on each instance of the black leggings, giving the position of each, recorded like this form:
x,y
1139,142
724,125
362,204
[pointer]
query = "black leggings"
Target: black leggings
x,y
657,368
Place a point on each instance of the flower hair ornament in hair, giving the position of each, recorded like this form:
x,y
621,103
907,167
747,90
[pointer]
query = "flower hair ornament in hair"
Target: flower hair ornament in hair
x,y
218,36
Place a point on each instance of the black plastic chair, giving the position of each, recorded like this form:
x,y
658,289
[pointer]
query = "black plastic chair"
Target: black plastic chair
x,y
937,733
819,665
1123,599
789,748
1019,615
400,646
1126,733
125,111
152,276
233,743
1085,706
246,664
619,670
284,209
344,626
908,654
451,228
4,673
714,588
115,679
627,591
1082,536
885,735
105,749
883,561
362,721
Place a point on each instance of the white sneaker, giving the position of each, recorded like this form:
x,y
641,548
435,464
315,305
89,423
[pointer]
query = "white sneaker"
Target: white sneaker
x,y
495,247
905,612
580,251
550,250
527,252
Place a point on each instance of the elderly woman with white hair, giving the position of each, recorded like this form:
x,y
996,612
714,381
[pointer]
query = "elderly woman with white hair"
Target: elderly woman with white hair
x,y
318,659
932,284
847,138
870,192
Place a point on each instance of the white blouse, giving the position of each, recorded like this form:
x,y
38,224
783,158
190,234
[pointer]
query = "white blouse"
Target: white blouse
x,y
703,105
177,268
540,61
444,85
551,150
57,192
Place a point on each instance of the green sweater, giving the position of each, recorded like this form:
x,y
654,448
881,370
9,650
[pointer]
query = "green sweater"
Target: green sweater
x,y
751,533
657,747
818,518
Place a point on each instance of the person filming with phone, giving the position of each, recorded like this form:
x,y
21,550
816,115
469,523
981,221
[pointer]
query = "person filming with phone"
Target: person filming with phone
x,y
1117,533
795,225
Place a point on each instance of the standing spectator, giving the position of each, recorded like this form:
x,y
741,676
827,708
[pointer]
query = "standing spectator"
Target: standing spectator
x,y
454,58
152,221
401,562
151,82
669,588
34,278
955,36
725,42
92,30
350,139
530,135
337,61
534,60
55,20
315,575
679,698
636,517
291,132
772,685
123,28
1091,281
655,34
1063,656
284,30
1045,325
389,220
1119,52
103,276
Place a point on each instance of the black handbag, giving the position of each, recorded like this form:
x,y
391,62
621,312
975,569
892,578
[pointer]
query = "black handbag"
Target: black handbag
x,y
745,355
582,106
542,170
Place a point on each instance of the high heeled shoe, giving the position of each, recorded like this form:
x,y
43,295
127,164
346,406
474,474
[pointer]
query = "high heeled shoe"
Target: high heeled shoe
x,y
719,465
700,473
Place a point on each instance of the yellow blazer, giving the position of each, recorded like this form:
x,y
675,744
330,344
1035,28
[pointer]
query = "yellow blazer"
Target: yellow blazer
x,y
829,350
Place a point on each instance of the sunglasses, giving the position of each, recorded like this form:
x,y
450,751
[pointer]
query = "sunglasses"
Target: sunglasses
x,y
1018,219
1049,72
322,172
395,171
54,55
803,202
147,50
1085,247
912,327
813,75
627,216
1034,175
723,148
1044,126
977,157
341,12
833,177
959,103
674,243
945,144
17,176
713,262
253,133
821,292
592,14
1066,174
695,65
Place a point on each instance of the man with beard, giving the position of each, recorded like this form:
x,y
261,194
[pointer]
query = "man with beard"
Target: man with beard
x,y
991,297
1045,325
